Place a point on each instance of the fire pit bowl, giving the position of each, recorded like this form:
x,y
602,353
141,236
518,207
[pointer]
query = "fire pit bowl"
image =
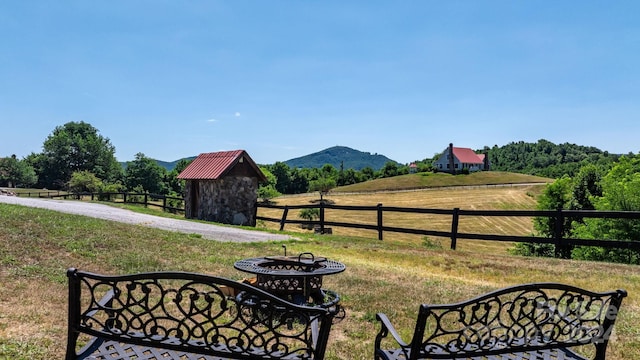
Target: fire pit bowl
x,y
291,275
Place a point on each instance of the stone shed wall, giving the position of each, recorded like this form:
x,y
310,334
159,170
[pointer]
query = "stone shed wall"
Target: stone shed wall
x,y
231,200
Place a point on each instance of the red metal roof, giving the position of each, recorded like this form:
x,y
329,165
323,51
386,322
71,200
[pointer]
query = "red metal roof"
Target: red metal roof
x,y
467,156
212,166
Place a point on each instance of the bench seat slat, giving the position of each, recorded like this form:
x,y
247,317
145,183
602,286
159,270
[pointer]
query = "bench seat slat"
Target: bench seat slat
x,y
113,350
549,354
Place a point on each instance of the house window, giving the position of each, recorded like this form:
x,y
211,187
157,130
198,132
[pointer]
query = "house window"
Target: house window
x,y
456,165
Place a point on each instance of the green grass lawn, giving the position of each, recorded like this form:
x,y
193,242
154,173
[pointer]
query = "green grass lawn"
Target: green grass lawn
x,y
37,246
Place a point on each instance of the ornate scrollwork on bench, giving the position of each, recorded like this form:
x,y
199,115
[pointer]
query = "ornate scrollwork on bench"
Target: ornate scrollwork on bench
x,y
186,313
546,320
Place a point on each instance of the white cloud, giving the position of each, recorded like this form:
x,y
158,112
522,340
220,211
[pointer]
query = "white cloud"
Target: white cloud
x,y
212,120
237,114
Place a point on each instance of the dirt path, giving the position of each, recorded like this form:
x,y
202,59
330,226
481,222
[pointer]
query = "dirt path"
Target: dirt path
x,y
100,211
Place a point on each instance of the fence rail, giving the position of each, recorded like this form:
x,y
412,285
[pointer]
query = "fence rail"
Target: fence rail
x,y
558,217
129,198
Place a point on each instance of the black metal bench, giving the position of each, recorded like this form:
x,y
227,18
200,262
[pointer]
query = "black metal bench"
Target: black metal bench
x,y
179,315
531,321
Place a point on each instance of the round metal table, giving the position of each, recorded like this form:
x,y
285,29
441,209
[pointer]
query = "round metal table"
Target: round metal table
x,y
294,277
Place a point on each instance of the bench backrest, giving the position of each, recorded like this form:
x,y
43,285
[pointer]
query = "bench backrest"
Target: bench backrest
x,y
193,313
529,317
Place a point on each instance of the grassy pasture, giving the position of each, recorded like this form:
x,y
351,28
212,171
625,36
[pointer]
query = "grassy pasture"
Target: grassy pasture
x,y
391,276
479,198
430,180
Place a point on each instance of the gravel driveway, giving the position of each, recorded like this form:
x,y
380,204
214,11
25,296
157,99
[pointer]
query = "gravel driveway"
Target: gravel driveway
x,y
100,211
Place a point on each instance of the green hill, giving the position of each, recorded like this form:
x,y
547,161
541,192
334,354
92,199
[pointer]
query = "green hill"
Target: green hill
x,y
432,180
340,155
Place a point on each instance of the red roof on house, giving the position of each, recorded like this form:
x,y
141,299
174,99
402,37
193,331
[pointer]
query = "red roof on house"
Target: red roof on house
x,y
468,156
213,166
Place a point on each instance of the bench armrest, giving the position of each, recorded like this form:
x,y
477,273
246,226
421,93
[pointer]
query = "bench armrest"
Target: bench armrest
x,y
386,329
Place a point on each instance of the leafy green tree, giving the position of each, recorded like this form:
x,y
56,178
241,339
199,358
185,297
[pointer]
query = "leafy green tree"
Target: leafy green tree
x,y
172,182
107,191
349,177
267,191
145,173
328,171
75,146
298,182
281,171
556,195
323,185
389,169
586,187
620,192
84,181
367,173
16,173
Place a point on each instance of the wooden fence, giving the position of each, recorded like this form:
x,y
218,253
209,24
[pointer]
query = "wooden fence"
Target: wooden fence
x,y
558,216
119,197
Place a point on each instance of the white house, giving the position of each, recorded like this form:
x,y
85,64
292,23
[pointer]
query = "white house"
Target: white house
x,y
455,159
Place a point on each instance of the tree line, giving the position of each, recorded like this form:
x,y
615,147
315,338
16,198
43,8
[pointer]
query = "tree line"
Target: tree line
x,y
77,158
610,187
544,158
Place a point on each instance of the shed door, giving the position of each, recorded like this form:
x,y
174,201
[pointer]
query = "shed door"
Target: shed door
x,y
195,197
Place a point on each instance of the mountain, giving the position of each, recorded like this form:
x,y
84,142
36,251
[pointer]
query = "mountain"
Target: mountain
x,y
337,155
171,165
165,164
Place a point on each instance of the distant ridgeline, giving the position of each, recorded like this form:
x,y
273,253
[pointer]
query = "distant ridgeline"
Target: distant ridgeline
x,y
337,155
165,164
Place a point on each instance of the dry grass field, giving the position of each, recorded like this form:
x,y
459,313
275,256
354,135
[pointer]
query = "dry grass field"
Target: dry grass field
x,y
517,197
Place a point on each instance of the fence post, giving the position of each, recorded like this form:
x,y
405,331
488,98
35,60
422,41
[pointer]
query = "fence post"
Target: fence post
x,y
164,203
557,233
284,217
321,217
379,221
145,199
124,197
454,228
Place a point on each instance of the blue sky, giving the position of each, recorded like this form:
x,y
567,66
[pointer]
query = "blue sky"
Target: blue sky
x,y
283,79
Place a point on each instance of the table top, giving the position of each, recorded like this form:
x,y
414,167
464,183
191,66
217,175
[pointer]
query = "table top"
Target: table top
x,y
289,266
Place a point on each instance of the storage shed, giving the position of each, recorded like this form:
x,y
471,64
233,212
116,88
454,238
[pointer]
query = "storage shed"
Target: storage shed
x,y
222,187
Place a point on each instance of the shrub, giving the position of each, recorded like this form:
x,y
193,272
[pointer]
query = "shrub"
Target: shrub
x,y
107,192
174,201
530,249
431,244
137,195
309,214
